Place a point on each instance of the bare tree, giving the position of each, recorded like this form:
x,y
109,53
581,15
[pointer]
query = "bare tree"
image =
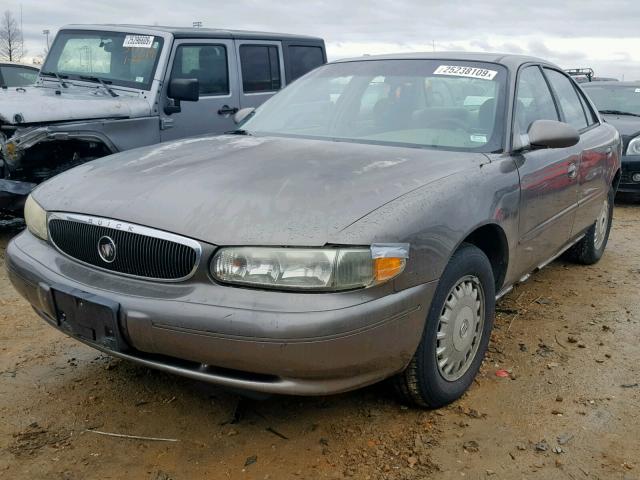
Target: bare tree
x,y
11,40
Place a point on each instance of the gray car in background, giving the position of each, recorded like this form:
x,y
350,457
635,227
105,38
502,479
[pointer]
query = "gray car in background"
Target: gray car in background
x,y
17,75
108,88
357,226
619,105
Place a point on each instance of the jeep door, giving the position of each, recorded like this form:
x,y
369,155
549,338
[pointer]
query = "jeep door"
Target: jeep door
x,y
548,177
261,70
212,63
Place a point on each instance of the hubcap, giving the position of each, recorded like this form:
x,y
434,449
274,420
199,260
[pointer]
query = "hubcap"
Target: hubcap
x,y
601,225
460,328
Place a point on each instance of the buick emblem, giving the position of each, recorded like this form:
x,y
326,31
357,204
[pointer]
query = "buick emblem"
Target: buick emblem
x,y
107,249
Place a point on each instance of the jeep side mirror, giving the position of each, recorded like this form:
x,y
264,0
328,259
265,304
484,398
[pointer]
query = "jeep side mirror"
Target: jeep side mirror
x,y
552,134
243,114
182,89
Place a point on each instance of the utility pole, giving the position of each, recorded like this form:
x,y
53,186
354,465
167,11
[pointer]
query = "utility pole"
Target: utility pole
x,y
46,33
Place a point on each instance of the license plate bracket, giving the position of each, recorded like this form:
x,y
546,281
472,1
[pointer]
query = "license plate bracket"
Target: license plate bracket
x,y
88,317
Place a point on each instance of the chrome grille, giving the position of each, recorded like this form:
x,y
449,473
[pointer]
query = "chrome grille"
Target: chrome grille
x,y
139,251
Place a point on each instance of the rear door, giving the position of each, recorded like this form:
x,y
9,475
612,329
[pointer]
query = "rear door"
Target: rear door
x,y
261,70
593,187
213,63
548,177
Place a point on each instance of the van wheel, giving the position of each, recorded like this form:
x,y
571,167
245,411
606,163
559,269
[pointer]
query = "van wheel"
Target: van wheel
x,y
589,250
456,334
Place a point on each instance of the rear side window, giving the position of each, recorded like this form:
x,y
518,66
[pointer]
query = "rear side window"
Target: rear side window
x,y
260,68
568,98
534,100
591,117
304,59
207,63
18,76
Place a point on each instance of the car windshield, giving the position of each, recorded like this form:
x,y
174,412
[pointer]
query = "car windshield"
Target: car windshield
x,y
117,58
621,98
455,105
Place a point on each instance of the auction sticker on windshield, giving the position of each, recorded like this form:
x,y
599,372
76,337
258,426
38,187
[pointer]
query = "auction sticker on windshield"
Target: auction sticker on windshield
x,y
471,72
138,41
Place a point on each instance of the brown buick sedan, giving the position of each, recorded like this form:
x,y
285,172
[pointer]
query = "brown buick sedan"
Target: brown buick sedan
x,y
357,226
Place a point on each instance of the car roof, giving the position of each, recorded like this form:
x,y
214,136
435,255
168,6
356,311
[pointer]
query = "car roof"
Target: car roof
x,y
510,61
189,32
611,83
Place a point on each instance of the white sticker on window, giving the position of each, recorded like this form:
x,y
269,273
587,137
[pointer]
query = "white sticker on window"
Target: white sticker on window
x,y
138,41
477,138
637,90
139,79
470,72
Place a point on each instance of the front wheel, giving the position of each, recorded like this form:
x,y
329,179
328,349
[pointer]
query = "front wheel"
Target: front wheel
x,y
590,249
456,333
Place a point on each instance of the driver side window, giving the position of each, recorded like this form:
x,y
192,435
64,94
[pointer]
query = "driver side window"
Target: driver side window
x,y
533,100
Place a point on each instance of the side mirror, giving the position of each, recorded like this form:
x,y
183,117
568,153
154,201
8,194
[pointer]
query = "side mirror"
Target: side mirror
x,y
552,134
241,115
182,89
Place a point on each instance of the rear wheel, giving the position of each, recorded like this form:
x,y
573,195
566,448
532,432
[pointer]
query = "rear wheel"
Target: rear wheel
x,y
590,249
456,333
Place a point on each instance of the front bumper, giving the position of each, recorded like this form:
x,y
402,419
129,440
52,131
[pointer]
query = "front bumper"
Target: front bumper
x,y
630,166
273,342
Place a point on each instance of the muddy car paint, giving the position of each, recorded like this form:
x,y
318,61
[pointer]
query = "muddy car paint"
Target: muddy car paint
x,y
526,207
60,122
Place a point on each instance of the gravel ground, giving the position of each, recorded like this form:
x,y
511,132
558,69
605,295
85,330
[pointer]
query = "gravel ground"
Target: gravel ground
x,y
569,408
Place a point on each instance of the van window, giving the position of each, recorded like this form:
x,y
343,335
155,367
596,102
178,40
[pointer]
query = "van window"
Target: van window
x,y
304,59
260,68
207,63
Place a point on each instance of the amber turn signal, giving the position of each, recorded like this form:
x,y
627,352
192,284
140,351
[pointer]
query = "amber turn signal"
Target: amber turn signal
x,y
386,268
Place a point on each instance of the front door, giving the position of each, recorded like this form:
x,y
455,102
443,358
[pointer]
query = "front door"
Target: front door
x,y
548,178
212,62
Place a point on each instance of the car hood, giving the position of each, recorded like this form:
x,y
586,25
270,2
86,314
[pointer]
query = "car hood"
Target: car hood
x,y
246,190
40,104
627,125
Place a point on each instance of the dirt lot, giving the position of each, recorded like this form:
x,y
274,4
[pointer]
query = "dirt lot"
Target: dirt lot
x,y
570,339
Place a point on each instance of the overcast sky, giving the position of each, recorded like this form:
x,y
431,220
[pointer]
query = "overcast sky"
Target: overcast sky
x,y
604,35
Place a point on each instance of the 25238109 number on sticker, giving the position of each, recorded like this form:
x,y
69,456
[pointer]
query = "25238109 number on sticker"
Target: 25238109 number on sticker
x,y
471,72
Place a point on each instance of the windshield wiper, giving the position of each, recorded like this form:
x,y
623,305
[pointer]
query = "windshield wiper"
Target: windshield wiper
x,y
238,132
57,77
619,112
101,82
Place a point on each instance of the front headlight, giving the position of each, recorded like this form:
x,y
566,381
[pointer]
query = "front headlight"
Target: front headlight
x,y
634,147
36,218
309,269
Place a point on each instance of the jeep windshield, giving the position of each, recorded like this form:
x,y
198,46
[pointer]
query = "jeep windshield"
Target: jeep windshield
x,y
615,99
117,58
448,104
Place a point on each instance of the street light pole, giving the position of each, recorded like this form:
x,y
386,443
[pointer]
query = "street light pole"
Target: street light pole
x,y
46,33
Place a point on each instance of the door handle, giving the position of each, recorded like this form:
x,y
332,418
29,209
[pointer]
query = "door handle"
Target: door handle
x,y
227,110
572,170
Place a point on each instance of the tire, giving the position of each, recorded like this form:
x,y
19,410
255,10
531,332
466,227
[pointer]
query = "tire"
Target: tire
x,y
590,249
424,383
